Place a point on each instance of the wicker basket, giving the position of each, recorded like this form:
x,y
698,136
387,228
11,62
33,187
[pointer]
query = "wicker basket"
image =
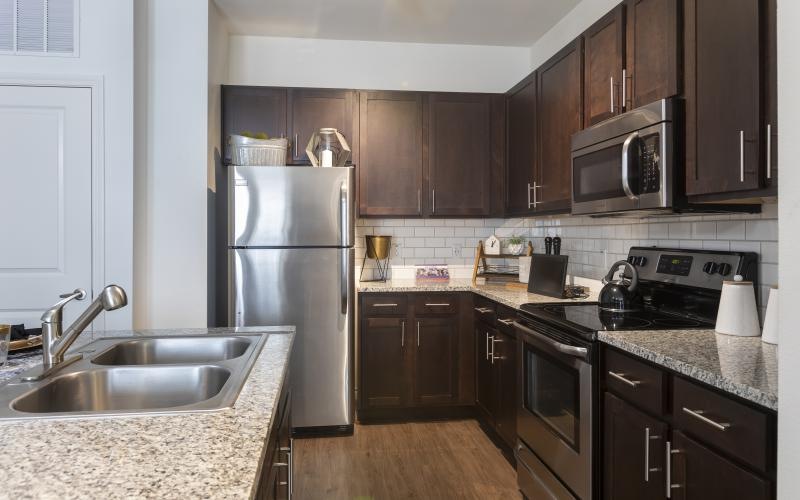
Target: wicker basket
x,y
257,152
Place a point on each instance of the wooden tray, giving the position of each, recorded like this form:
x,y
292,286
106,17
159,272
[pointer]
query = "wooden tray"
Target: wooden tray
x,y
18,345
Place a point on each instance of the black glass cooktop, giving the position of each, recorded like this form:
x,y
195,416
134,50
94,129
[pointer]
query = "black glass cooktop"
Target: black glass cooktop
x,y
589,317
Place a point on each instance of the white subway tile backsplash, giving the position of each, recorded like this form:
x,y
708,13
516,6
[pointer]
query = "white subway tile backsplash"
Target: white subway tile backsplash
x,y
464,231
704,230
680,230
763,230
424,231
434,242
730,230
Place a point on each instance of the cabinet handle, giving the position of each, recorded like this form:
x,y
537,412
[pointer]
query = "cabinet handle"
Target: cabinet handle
x,y
482,310
384,305
507,322
434,304
289,456
668,475
646,453
532,204
417,333
621,378
612,95
402,334
295,145
419,202
433,205
741,156
491,354
624,84
495,340
529,195
769,151
698,414
487,346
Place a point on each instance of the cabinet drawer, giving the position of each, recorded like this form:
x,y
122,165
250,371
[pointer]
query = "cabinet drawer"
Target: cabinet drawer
x,y
505,318
485,310
442,303
721,422
635,381
385,305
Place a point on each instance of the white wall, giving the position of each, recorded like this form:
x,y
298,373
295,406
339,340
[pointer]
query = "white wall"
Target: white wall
x,y
171,163
106,51
568,28
789,273
301,62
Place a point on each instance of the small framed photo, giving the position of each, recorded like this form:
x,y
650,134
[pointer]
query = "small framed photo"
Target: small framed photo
x,y
432,274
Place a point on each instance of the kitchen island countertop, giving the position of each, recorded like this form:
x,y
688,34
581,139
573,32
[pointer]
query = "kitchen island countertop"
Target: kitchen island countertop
x,y
215,454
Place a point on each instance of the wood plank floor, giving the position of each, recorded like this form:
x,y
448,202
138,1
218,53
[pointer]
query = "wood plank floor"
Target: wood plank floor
x,y
425,460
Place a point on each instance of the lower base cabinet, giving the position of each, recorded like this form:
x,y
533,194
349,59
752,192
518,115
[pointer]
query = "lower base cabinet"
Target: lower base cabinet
x,y
277,469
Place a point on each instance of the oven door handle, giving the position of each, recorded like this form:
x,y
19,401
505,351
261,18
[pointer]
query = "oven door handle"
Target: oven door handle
x,y
626,184
578,352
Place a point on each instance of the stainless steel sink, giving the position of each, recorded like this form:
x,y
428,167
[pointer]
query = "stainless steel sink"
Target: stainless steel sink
x,y
175,350
164,374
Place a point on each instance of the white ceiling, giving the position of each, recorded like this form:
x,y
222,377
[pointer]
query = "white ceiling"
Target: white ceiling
x,y
517,23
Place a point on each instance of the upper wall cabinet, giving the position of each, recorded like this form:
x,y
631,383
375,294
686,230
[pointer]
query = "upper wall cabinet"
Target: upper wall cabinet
x,y
390,171
652,67
520,146
459,156
604,44
253,109
727,138
559,114
312,109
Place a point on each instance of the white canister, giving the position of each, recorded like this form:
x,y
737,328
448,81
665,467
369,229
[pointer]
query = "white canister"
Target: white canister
x,y
524,269
737,314
770,333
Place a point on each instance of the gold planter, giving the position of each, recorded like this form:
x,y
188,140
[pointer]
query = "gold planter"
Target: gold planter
x,y
379,248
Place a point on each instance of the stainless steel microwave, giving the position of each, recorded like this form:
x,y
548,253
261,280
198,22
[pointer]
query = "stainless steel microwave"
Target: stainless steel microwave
x,y
625,163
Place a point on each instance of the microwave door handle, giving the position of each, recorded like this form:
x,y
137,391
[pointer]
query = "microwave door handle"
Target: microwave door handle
x,y
626,185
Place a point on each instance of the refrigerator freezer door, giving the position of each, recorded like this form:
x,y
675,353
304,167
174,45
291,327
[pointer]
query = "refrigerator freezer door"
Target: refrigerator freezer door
x,y
312,289
291,207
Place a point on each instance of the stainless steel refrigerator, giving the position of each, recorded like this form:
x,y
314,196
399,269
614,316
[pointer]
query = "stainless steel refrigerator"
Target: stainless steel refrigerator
x,y
290,251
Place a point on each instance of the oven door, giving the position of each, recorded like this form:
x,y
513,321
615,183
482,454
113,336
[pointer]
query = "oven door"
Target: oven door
x,y
555,417
629,172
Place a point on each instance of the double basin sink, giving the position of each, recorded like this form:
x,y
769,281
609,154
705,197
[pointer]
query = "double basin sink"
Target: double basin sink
x,y
122,376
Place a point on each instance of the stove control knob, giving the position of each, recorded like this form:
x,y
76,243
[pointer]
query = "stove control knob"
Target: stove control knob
x,y
724,269
641,261
632,260
710,268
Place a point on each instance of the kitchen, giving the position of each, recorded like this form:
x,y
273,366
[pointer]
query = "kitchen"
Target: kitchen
x,y
632,136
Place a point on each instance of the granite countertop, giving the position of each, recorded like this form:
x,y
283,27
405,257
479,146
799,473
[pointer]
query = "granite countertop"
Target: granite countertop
x,y
743,366
510,297
189,455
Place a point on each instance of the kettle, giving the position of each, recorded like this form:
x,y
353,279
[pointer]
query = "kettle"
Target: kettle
x,y
621,295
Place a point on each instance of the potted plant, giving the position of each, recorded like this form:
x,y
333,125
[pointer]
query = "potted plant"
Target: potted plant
x,y
515,245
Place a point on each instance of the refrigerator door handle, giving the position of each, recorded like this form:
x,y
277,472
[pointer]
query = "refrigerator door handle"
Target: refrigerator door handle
x,y
345,231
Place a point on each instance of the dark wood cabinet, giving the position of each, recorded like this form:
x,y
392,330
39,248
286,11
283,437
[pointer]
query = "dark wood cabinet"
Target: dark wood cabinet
x,y
652,68
312,109
390,166
436,361
458,156
507,399
633,452
701,474
484,376
559,114
275,481
771,96
520,146
723,58
604,45
252,109
384,358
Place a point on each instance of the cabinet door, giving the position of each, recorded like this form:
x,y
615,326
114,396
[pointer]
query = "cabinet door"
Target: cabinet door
x,y
390,172
700,474
771,91
252,109
505,369
521,146
436,361
459,155
484,390
652,67
602,70
723,68
559,115
312,109
633,452
384,377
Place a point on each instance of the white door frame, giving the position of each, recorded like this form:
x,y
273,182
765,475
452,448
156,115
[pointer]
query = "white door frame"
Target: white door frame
x,y
95,84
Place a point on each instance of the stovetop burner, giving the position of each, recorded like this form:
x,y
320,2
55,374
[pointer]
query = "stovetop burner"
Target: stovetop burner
x,y
590,318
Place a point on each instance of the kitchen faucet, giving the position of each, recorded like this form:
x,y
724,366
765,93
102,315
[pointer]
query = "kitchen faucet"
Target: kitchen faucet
x,y
55,343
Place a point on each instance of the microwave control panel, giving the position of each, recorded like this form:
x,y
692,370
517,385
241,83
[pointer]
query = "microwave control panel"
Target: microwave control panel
x,y
650,161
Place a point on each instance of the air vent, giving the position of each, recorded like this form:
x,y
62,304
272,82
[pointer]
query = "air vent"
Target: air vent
x,y
38,26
